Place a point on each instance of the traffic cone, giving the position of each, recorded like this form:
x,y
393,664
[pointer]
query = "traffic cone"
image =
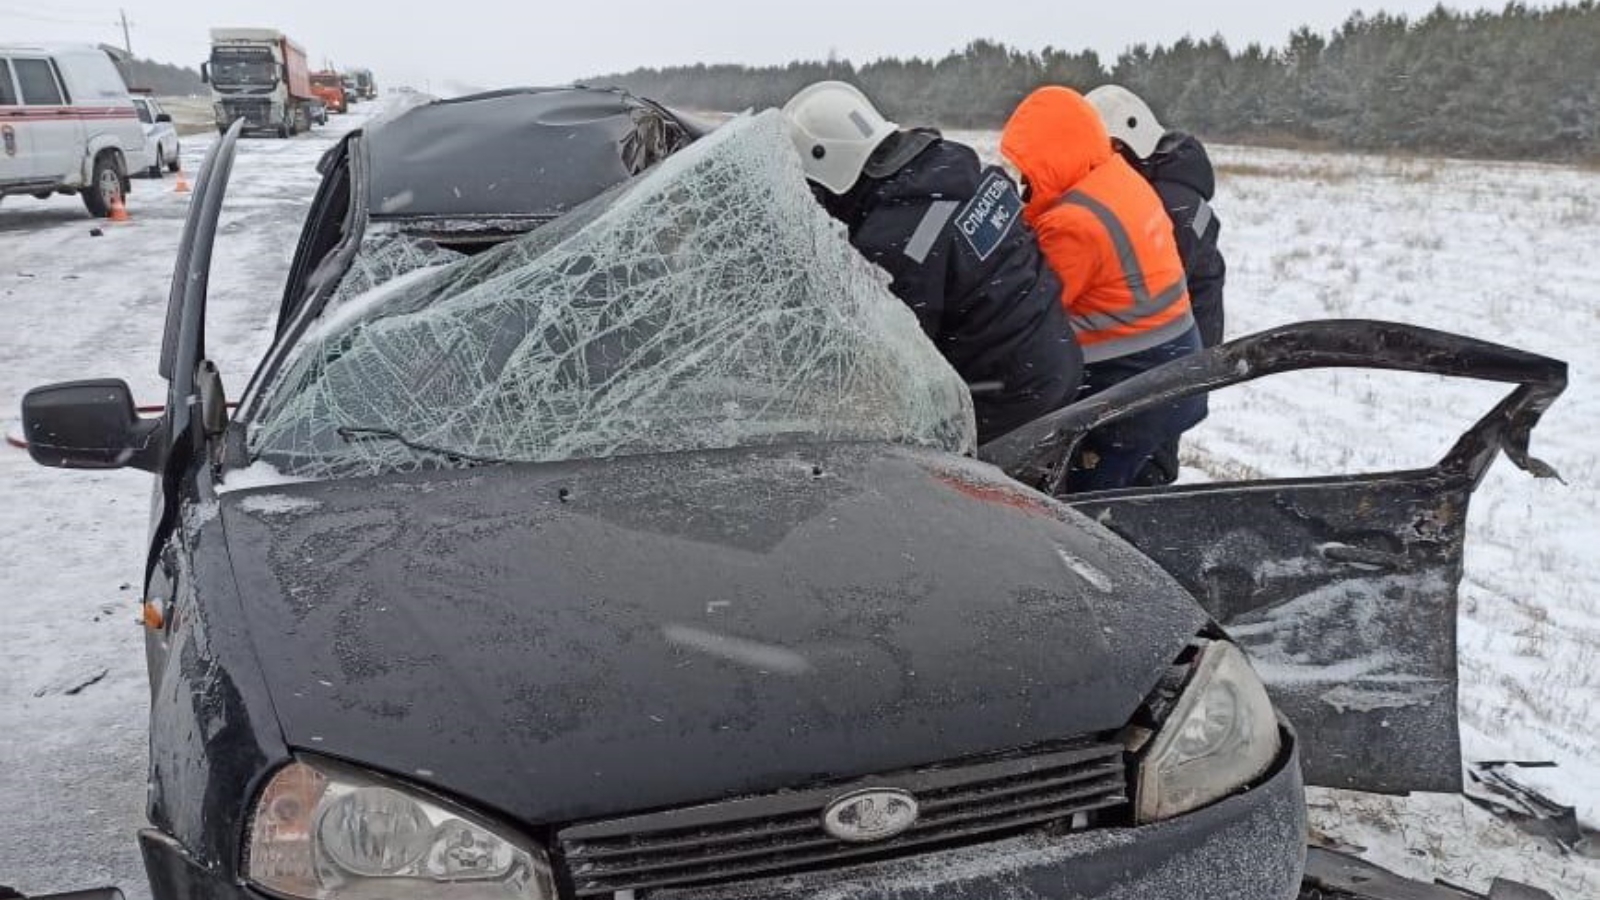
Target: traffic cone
x,y
182,187
119,213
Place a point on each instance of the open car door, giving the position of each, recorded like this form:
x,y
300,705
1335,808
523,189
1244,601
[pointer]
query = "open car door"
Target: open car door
x,y
194,399
1342,589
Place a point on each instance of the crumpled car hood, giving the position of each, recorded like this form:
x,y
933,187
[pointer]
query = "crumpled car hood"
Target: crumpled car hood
x,y
572,640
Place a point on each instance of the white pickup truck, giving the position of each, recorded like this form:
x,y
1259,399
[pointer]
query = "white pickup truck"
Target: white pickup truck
x,y
67,124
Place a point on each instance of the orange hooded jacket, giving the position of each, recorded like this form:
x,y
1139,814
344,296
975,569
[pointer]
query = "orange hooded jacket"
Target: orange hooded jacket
x,y
1101,226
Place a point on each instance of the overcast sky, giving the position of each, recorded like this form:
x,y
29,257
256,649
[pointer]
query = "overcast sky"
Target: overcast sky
x,y
497,43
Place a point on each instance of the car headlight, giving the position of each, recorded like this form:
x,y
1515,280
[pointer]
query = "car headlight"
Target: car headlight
x,y
1221,736
326,832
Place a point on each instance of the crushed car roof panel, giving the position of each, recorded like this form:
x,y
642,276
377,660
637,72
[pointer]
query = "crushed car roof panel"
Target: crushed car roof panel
x,y
531,153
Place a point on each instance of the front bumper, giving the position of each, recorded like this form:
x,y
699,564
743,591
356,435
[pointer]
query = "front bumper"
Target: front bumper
x,y
257,112
1251,847
175,876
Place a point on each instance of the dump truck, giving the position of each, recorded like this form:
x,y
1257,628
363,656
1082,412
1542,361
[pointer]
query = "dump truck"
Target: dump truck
x,y
259,75
329,88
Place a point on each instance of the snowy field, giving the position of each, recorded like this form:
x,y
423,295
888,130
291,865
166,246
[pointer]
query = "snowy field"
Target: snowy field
x,y
1499,251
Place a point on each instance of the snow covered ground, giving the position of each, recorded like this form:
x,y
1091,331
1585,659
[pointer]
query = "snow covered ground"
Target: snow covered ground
x,y
72,757
1498,251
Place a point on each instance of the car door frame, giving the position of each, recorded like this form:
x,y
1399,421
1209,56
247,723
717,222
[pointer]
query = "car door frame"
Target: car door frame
x,y
194,404
1342,588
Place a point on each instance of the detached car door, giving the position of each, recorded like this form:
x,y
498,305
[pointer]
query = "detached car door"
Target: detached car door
x,y
1342,589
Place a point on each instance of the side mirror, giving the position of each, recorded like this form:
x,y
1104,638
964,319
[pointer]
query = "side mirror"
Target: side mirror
x,y
89,425
164,117
205,73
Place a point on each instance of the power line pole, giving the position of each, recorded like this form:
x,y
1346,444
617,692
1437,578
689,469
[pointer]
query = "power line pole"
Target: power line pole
x,y
127,42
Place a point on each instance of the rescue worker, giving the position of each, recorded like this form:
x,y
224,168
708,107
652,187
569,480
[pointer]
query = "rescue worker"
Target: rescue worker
x,y
1106,234
1177,166
949,232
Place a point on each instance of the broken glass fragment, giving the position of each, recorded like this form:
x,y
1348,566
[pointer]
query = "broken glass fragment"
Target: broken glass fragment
x,y
707,304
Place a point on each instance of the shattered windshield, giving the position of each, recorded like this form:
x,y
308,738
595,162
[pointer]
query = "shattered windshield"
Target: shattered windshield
x,y
708,304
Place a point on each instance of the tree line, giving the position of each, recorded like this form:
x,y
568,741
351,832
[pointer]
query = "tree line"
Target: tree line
x,y
1523,82
162,78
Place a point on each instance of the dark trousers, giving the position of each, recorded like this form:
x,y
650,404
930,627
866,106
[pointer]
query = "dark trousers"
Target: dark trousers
x,y
1117,454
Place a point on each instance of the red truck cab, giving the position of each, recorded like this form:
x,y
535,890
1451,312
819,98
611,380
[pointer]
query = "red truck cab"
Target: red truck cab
x,y
328,86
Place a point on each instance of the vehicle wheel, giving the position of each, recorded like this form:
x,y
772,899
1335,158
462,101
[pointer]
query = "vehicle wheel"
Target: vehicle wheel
x,y
161,163
174,163
105,185
284,131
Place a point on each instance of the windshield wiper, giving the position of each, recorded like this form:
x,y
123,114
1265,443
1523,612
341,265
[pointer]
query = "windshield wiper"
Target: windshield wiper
x,y
353,433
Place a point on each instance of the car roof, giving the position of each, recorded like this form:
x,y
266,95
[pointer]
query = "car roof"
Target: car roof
x,y
528,153
56,48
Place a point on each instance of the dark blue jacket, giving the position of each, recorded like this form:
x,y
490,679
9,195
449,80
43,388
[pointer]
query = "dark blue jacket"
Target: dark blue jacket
x,y
950,232
1180,171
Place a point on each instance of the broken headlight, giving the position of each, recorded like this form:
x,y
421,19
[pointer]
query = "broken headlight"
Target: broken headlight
x,y
325,832
1221,736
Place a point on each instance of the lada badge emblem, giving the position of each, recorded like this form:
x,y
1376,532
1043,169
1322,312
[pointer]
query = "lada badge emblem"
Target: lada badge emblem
x,y
871,815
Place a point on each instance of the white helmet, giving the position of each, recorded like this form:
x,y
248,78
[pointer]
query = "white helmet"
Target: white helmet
x,y
835,128
1128,119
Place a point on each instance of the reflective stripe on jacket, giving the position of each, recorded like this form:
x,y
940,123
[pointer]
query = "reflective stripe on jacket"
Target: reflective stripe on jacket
x,y
950,233
1100,225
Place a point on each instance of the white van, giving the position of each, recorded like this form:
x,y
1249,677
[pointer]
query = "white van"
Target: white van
x,y
67,124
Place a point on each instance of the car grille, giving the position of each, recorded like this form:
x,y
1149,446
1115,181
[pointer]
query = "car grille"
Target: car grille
x,y
959,804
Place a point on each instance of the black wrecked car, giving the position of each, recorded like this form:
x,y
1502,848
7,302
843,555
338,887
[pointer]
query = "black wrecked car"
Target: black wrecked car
x,y
598,525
